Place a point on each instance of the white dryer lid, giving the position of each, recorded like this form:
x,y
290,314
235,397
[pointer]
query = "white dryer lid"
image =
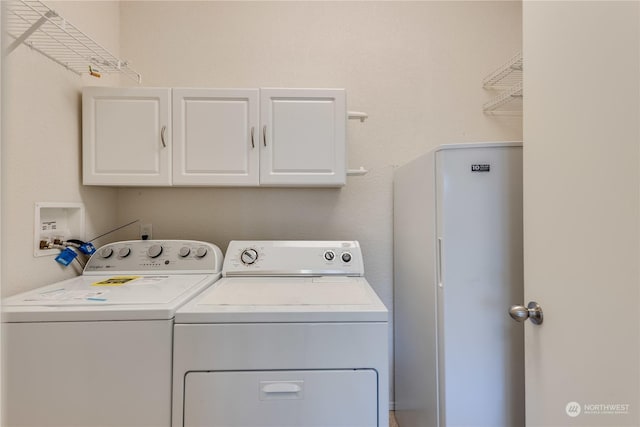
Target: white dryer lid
x,y
285,299
92,298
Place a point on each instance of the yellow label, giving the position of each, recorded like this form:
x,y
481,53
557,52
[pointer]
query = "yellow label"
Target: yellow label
x,y
116,281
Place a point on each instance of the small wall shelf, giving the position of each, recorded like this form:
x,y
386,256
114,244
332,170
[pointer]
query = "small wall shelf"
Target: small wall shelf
x,y
34,24
508,80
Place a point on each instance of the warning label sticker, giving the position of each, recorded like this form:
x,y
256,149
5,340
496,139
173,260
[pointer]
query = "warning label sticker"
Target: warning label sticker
x,y
116,281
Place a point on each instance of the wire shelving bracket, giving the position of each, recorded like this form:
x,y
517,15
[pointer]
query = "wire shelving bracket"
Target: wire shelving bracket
x,y
34,24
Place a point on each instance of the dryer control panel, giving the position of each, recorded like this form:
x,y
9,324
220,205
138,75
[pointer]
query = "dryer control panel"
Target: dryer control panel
x,y
293,258
164,256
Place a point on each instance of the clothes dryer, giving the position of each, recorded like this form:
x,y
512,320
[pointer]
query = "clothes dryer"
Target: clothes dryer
x,y
292,335
96,350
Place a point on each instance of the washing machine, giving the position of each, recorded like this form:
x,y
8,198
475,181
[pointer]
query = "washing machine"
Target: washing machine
x,y
292,335
96,350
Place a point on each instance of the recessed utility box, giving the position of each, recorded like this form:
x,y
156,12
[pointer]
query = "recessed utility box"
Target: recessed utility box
x,y
57,221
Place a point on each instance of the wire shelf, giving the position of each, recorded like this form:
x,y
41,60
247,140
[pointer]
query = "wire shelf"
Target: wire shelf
x,y
507,75
34,24
512,97
507,79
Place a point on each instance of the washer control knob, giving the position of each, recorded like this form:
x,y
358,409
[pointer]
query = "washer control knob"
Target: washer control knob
x,y
124,252
201,252
249,256
154,251
184,251
346,256
329,255
106,252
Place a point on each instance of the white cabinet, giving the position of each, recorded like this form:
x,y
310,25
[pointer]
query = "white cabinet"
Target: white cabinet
x,y
214,137
215,140
303,137
125,134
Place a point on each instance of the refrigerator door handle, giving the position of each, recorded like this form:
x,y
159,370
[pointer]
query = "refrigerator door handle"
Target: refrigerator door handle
x,y
439,263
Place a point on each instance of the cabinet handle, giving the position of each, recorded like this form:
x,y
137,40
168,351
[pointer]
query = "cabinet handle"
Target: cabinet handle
x,y
264,135
439,263
253,143
281,388
162,131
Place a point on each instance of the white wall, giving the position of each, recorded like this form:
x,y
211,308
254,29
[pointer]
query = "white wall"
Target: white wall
x,y
41,147
415,67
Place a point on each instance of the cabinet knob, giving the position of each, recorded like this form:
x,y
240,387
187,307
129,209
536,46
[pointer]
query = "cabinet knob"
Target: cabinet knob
x,y
264,135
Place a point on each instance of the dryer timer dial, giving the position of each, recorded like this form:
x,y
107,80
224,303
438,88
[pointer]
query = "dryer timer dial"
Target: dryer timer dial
x,y
249,256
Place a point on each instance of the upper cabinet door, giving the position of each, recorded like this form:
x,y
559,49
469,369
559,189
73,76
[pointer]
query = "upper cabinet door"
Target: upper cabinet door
x,y
126,136
215,137
302,137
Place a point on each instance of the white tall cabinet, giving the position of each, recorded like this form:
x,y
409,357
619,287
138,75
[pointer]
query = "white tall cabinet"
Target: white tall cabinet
x,y
458,266
214,137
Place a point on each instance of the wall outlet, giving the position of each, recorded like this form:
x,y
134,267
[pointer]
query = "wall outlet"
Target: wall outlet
x,y
146,232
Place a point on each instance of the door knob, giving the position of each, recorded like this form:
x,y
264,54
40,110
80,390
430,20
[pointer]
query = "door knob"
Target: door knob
x,y
521,313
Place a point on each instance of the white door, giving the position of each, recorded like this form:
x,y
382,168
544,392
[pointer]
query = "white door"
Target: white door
x,y
126,136
215,137
581,212
303,139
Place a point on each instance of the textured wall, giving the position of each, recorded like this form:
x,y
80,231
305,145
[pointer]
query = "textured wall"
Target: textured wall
x,y
415,67
41,147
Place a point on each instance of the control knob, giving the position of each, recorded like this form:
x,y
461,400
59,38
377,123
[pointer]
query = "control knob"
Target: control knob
x,y
154,251
106,252
124,252
201,252
249,256
184,251
329,255
346,257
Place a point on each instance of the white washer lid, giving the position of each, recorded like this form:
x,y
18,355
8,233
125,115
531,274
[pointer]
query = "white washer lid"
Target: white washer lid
x,y
285,299
92,298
